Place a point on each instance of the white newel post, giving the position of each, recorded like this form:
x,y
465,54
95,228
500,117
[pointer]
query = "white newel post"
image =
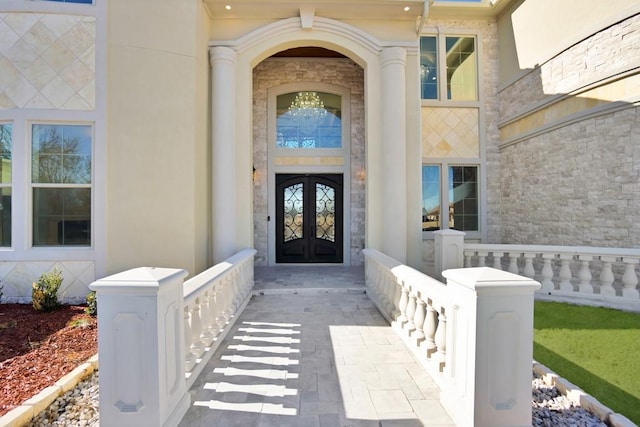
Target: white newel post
x,y
141,347
449,250
490,365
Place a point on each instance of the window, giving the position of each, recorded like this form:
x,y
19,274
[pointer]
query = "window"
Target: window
x,y
461,199
458,62
5,184
308,120
61,158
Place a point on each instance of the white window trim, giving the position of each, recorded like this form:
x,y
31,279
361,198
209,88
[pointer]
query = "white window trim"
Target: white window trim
x,y
31,184
444,195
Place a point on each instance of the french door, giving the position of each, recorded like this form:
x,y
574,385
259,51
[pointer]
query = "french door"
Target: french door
x,y
309,218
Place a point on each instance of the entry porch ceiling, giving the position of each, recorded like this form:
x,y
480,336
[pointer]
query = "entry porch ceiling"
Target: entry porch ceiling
x,y
353,9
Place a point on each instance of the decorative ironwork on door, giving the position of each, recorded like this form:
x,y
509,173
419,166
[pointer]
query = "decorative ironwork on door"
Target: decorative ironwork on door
x,y
309,218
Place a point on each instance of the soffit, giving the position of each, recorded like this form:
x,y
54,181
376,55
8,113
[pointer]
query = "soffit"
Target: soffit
x,y
353,9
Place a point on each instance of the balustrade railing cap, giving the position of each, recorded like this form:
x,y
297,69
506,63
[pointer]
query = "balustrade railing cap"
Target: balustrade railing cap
x,y
486,277
450,232
141,277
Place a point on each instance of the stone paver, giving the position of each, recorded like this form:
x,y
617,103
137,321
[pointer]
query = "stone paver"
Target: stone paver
x,y
321,358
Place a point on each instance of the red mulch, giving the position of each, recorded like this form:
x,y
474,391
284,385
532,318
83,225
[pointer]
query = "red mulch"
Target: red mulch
x,y
38,348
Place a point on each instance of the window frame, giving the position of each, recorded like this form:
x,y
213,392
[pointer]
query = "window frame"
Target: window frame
x,y
9,185
31,185
442,98
445,203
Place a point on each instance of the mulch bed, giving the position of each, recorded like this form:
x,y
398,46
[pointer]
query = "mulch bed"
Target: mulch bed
x,y
37,348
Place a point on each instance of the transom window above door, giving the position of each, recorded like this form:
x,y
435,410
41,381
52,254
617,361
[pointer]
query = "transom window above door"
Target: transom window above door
x,y
308,119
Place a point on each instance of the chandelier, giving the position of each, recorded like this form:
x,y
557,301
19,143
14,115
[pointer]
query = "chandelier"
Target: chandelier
x,y
307,105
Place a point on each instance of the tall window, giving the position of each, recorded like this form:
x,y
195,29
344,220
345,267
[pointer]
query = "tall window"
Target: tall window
x,y
61,158
460,203
5,184
309,120
457,58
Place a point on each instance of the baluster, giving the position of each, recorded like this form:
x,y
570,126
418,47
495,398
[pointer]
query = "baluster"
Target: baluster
x,y
497,260
214,319
418,320
528,265
629,278
197,346
430,326
411,311
482,258
205,314
441,340
404,301
547,272
396,294
565,273
584,274
467,258
190,358
221,322
236,300
606,276
513,263
224,298
385,289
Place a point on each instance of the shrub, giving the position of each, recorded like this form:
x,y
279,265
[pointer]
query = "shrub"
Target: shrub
x,y
92,304
1,288
44,292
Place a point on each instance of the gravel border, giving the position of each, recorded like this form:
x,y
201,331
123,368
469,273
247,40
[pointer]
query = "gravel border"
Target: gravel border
x,y
555,403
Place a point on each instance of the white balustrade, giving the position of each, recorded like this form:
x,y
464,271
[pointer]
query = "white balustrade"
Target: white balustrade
x,y
223,290
165,331
584,275
466,334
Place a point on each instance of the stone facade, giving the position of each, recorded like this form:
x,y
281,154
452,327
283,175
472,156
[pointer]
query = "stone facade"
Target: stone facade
x,y
575,183
340,72
607,53
487,117
47,61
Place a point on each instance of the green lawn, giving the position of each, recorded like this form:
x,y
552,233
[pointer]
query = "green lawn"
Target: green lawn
x,y
598,349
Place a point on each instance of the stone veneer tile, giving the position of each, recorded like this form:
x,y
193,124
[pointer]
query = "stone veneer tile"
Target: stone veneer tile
x,y
50,53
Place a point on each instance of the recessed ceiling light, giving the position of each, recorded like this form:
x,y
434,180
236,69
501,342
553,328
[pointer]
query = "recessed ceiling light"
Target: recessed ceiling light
x,y
407,8
228,7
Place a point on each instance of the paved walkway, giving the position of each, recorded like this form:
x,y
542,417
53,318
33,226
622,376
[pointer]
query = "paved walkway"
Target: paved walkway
x,y
317,358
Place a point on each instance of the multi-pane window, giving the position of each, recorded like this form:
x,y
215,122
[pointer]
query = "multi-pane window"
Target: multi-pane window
x,y
308,120
61,163
460,202
5,184
455,58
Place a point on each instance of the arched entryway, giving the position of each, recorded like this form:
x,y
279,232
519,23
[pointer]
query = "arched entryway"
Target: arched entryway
x,y
307,152
385,77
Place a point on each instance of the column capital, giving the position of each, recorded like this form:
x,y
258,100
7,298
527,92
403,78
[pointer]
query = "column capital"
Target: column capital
x,y
222,53
393,56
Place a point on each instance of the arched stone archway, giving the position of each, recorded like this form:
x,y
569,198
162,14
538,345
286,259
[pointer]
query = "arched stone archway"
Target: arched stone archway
x,y
386,81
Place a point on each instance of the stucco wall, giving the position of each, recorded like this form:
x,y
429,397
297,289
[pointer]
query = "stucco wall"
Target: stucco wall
x,y
157,135
340,72
570,152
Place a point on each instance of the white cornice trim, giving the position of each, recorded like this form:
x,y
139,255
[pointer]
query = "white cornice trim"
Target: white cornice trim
x,y
320,26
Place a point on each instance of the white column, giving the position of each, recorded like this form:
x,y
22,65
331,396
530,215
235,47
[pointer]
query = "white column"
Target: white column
x,y
141,347
394,161
223,142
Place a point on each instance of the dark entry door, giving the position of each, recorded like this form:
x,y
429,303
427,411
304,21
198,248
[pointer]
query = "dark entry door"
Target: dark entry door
x,y
309,218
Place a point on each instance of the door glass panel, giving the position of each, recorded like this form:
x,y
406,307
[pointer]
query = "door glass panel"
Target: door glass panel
x,y
325,212
293,211
309,120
